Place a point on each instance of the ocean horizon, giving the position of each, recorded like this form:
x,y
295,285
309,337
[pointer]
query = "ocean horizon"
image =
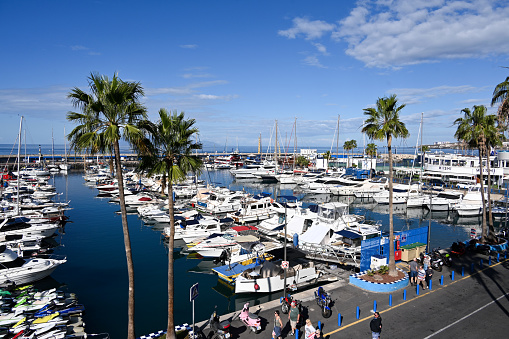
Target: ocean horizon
x,y
60,149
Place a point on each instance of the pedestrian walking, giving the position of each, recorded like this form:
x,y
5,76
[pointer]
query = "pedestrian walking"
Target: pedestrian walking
x,y
309,330
413,272
429,274
426,261
293,316
376,325
421,277
278,326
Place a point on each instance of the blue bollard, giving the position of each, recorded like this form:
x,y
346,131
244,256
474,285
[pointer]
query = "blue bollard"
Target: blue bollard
x,y
489,260
390,300
472,268
441,280
418,289
404,295
430,284
319,325
452,275
374,305
339,319
480,264
498,257
358,312
462,271
296,333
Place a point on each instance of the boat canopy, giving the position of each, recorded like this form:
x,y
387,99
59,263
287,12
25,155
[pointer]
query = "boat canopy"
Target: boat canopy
x,y
348,234
316,234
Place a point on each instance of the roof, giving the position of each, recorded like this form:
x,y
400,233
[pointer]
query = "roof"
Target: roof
x,y
348,234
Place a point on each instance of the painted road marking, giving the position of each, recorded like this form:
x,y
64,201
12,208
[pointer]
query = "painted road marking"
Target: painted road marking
x,y
417,297
468,315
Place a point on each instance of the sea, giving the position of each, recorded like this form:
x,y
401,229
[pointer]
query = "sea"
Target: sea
x,y
96,269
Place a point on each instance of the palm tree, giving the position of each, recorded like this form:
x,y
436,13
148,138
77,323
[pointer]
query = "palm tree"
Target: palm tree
x,y
501,96
349,145
171,153
371,151
108,114
383,123
478,130
326,156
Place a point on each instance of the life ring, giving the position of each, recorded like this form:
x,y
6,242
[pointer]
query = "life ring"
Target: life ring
x,y
271,200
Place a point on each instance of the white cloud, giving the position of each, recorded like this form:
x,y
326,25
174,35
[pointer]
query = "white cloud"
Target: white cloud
x,y
397,33
191,75
321,48
83,48
184,90
215,97
310,29
48,102
191,46
411,96
79,48
313,61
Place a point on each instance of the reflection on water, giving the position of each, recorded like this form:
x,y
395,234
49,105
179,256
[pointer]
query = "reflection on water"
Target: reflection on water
x,y
96,264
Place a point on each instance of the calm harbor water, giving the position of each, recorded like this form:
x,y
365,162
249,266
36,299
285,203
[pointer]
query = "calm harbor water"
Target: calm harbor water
x,y
96,268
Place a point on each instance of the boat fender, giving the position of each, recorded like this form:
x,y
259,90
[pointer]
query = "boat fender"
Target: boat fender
x,y
256,286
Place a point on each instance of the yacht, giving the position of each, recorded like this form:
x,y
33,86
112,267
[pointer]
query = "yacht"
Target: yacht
x,y
401,193
444,201
471,204
17,271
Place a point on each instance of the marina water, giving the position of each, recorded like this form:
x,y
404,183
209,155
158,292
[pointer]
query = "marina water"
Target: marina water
x,y
96,267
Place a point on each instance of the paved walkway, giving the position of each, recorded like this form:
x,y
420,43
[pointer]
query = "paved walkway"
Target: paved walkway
x,y
475,305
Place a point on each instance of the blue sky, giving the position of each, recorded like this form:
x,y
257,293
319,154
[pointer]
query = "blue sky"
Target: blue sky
x,y
237,66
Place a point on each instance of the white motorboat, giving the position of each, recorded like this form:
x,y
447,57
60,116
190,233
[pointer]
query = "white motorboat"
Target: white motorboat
x,y
255,210
401,193
367,189
15,226
14,270
269,277
31,171
444,201
471,204
191,229
220,202
213,247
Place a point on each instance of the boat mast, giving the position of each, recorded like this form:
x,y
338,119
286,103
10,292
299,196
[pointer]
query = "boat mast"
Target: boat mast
x,y
19,151
275,150
337,144
295,144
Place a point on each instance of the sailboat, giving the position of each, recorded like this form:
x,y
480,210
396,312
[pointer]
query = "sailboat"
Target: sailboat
x,y
64,166
52,167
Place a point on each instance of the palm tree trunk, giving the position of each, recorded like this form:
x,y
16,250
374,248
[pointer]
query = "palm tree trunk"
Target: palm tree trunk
x,y
127,243
483,230
392,261
491,229
170,331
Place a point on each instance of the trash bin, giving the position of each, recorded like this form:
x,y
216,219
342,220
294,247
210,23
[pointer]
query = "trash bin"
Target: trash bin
x,y
408,252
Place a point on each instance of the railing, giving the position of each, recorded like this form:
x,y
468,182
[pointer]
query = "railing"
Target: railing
x,y
330,254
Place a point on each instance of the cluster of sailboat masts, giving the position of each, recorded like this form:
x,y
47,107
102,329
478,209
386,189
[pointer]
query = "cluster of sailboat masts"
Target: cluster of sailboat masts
x,y
241,230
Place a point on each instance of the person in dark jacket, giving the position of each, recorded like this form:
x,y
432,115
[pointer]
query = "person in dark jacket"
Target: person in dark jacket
x,y
376,325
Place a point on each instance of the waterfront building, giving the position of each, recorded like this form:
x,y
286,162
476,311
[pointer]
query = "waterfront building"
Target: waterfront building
x,y
465,169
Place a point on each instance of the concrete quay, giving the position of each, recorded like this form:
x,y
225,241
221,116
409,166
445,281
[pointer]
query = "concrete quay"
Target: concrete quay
x,y
474,304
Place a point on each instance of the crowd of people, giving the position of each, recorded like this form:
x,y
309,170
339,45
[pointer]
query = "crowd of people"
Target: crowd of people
x,y
294,317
